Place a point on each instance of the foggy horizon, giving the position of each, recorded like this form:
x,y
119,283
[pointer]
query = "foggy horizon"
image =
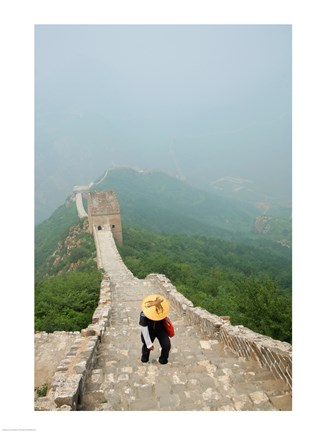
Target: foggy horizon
x,y
198,101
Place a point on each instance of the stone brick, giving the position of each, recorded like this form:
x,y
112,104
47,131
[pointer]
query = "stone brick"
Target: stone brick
x,y
169,402
80,368
242,403
145,391
144,405
258,397
162,388
66,396
282,402
205,344
210,394
94,397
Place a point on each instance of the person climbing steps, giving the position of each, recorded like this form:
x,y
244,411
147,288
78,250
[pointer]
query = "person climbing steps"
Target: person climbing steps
x,y
155,308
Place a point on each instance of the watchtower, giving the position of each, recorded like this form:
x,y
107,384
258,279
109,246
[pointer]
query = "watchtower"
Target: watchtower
x,y
104,211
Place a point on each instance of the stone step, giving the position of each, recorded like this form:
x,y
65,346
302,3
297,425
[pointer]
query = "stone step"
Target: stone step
x,y
202,373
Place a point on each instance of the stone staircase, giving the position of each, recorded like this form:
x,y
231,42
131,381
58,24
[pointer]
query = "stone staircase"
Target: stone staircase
x,y
202,374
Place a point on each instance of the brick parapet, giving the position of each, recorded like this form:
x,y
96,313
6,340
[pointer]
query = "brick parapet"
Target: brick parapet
x,y
79,204
272,354
104,209
98,254
67,385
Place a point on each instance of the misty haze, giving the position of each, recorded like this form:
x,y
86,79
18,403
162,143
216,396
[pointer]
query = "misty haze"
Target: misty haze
x,y
209,104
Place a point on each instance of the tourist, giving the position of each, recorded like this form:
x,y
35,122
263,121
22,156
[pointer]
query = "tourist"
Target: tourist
x,y
155,309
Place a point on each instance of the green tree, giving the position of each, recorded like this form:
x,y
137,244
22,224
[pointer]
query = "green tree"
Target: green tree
x,y
66,302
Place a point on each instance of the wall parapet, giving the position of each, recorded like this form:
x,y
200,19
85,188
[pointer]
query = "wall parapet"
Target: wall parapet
x,y
272,354
79,205
98,253
67,385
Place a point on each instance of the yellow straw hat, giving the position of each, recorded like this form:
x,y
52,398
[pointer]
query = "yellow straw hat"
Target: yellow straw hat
x,y
155,307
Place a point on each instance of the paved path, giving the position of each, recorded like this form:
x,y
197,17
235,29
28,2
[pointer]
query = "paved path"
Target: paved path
x,y
79,204
201,374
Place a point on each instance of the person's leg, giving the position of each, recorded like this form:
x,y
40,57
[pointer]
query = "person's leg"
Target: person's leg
x,y
145,351
165,345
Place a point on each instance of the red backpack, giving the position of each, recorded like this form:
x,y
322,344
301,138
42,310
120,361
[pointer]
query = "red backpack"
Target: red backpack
x,y
168,326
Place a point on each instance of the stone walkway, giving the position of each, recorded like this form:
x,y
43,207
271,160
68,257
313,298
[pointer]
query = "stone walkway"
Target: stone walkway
x,y
202,374
79,205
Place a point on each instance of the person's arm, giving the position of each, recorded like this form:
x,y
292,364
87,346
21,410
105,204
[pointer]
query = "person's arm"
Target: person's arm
x,y
145,332
146,336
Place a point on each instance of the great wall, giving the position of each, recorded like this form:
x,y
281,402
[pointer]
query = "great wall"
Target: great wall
x,y
214,366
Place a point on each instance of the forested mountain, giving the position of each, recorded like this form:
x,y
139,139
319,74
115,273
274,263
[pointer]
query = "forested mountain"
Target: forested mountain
x,y
250,283
50,232
161,203
157,202
209,247
67,281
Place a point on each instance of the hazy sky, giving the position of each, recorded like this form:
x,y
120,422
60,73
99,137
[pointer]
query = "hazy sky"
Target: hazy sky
x,y
201,101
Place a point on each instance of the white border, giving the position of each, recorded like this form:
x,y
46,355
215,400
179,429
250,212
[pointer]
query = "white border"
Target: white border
x,y
17,32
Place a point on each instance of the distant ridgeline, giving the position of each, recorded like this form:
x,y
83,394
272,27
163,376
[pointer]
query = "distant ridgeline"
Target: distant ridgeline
x,y
157,202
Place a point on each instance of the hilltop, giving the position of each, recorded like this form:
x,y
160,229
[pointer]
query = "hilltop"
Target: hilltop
x,y
155,201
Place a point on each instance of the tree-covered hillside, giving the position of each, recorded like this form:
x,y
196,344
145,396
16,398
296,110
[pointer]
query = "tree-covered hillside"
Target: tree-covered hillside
x,y
161,203
157,202
224,256
66,302
251,284
50,232
67,279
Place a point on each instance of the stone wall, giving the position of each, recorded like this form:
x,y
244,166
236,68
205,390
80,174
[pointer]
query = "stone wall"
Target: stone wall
x,y
273,354
103,209
50,349
66,387
79,204
68,373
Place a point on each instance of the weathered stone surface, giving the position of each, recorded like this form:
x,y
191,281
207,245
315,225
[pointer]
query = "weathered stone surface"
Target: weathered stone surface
x,y
93,398
169,401
66,397
45,404
205,344
242,403
80,368
205,371
67,391
145,391
50,350
258,397
162,388
201,372
282,402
